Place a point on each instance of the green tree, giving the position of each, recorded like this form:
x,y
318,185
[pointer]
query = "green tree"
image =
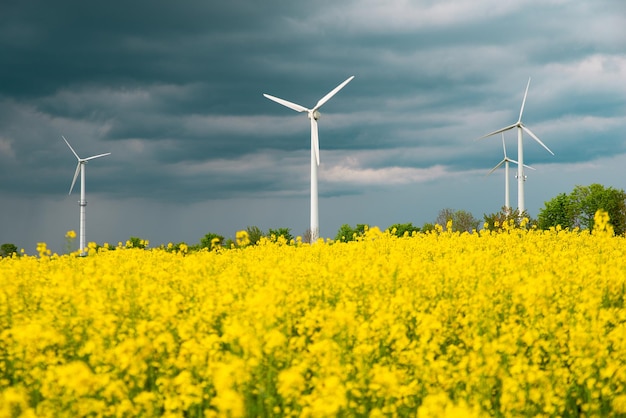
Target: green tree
x,y
461,220
254,234
586,200
347,233
401,229
136,242
495,221
280,232
557,211
578,208
174,248
427,227
211,240
444,216
7,249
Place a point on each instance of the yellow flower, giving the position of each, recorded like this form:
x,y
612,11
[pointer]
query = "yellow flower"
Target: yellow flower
x,y
291,383
424,325
619,404
242,238
601,225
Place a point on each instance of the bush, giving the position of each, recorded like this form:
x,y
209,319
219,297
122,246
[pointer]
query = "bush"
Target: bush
x,y
8,249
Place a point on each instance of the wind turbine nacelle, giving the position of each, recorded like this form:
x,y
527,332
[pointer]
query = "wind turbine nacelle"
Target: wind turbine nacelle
x,y
316,115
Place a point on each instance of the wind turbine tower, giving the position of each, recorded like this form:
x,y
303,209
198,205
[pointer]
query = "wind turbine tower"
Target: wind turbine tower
x,y
313,115
521,178
506,162
80,168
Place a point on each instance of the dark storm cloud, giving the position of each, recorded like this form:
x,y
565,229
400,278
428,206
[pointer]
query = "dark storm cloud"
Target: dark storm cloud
x,y
130,43
174,92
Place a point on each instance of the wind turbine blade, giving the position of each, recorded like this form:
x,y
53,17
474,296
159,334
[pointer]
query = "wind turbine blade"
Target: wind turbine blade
x,y
75,177
315,140
515,162
503,146
286,103
68,144
529,132
499,131
523,101
332,93
496,167
97,156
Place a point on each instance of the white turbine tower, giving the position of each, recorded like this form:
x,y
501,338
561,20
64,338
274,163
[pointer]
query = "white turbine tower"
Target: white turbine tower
x,y
80,168
313,115
506,162
521,178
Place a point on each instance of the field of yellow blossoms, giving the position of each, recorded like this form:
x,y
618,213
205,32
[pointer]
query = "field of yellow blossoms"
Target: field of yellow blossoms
x,y
509,323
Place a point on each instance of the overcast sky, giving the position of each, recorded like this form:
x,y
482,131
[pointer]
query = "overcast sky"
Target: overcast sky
x,y
174,90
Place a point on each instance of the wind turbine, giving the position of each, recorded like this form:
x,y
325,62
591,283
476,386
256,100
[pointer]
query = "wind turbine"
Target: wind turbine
x,y
80,168
521,178
506,162
313,115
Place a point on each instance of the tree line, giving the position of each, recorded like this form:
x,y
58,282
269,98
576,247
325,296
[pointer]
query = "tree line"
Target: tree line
x,y
567,210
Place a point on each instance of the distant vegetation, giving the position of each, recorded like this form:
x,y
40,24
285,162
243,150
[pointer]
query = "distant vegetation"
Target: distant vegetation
x,y
567,211
507,218
577,209
8,249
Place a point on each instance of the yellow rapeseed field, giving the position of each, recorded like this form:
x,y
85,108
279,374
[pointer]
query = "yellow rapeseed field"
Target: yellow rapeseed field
x,y
508,323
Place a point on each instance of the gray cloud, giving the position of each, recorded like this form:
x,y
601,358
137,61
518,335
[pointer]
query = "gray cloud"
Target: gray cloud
x,y
175,94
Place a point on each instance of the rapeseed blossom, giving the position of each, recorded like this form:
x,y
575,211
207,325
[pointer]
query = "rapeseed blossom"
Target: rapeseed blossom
x,y
242,238
441,324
